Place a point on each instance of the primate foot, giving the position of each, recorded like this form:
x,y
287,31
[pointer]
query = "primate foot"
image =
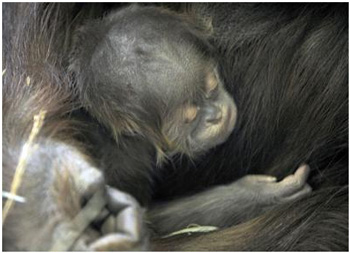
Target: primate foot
x,y
122,229
109,220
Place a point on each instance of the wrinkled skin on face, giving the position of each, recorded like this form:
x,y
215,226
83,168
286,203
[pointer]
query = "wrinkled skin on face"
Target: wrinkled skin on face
x,y
206,122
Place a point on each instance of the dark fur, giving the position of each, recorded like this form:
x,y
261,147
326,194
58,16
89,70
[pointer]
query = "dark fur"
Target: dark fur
x,y
48,91
134,69
291,110
288,73
286,65
316,223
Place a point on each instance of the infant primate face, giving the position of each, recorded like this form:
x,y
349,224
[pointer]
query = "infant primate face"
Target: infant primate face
x,y
205,120
149,71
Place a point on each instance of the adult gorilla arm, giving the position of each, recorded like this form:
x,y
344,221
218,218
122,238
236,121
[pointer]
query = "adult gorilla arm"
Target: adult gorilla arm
x,y
63,190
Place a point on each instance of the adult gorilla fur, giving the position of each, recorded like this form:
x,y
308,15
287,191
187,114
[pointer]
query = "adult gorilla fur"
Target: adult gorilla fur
x,y
285,65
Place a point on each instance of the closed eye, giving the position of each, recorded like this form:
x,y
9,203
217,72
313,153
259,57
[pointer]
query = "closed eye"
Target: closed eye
x,y
190,113
212,93
211,86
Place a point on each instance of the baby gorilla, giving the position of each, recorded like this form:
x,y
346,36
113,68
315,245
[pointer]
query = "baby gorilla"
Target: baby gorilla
x,y
150,78
145,72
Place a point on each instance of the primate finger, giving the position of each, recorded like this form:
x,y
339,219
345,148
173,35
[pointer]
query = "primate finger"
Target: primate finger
x,y
304,191
118,200
294,182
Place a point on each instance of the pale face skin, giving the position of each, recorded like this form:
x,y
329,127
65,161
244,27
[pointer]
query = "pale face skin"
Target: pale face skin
x,y
207,123
217,115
